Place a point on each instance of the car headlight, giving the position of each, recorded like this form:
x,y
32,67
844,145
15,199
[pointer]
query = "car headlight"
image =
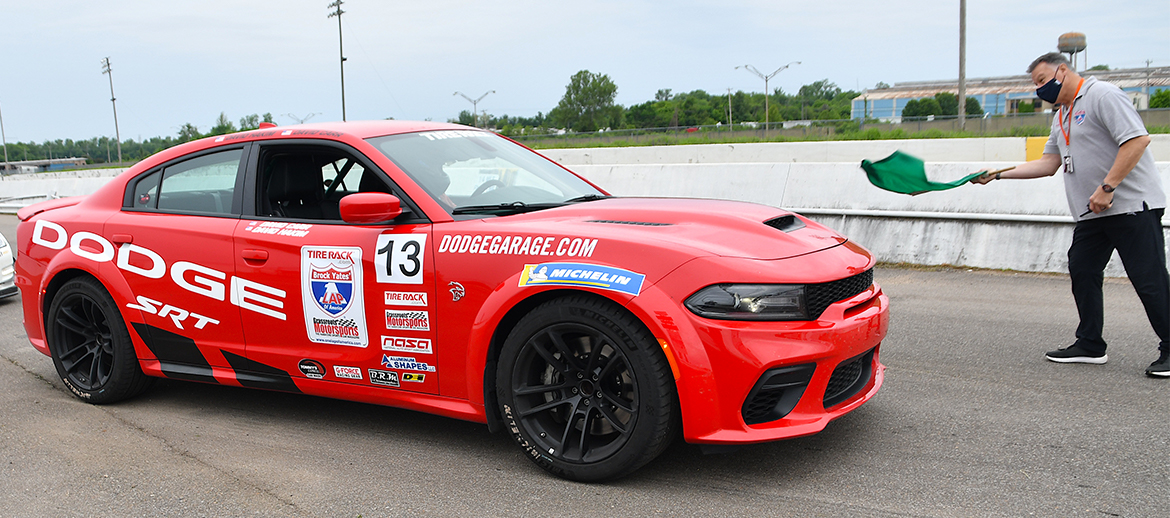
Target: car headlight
x,y
750,302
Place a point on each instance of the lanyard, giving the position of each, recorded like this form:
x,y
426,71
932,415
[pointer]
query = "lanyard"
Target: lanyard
x,y
1068,132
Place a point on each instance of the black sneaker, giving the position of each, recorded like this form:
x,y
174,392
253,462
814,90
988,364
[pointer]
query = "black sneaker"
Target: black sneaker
x,y
1160,368
1075,354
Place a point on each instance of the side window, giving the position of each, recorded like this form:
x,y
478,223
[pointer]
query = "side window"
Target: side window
x,y
306,182
204,184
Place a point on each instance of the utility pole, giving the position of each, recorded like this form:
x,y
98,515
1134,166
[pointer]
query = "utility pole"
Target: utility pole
x,y
730,123
1148,61
962,63
753,70
336,5
4,140
108,71
474,104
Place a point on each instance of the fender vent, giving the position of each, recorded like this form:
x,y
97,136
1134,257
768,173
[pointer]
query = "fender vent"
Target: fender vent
x,y
786,223
641,223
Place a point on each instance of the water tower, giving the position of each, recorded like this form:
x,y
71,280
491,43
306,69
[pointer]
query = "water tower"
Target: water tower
x,y
1073,43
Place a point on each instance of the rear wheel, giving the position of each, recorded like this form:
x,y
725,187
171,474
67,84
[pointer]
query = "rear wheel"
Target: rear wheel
x,y
90,345
585,390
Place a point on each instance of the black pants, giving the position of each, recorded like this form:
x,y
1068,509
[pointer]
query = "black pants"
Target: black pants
x,y
1138,240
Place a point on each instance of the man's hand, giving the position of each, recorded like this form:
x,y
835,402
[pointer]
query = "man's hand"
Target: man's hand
x,y
983,178
1100,200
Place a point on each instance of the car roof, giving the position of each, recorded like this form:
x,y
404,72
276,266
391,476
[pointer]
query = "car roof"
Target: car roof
x,y
369,129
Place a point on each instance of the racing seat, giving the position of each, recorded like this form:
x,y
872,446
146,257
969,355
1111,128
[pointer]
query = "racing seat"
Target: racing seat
x,y
371,183
295,188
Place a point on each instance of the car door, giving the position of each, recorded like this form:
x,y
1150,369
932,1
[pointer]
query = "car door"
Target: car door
x,y
175,251
357,300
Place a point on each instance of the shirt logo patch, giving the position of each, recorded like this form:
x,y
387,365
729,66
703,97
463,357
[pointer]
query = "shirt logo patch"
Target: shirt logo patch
x,y
1079,117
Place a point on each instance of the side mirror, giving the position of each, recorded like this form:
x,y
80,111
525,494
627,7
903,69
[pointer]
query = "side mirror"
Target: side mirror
x,y
370,207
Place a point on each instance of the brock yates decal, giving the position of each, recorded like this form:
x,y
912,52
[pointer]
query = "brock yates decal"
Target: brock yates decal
x,y
408,320
518,245
331,290
406,298
586,275
405,364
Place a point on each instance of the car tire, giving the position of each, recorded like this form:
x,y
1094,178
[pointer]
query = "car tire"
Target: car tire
x,y
585,390
90,344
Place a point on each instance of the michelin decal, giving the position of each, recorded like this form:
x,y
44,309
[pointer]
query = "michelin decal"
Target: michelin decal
x,y
583,275
331,290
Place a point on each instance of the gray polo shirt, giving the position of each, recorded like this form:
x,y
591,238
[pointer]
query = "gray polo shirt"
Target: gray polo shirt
x,y
1101,119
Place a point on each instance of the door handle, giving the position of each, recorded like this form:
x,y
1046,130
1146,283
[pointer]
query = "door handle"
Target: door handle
x,y
119,239
255,255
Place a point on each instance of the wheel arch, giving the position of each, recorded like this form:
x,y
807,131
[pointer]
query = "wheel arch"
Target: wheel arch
x,y
508,322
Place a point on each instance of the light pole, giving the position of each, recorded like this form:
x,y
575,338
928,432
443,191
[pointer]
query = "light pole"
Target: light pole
x,y
753,70
962,64
336,5
108,71
4,140
474,103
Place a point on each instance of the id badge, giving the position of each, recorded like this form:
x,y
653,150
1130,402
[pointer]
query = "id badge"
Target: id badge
x,y
1068,164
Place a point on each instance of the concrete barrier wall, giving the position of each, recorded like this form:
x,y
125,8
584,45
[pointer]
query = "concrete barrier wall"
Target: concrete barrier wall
x,y
1020,225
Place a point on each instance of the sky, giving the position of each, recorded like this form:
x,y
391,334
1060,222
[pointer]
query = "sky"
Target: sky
x,y
175,62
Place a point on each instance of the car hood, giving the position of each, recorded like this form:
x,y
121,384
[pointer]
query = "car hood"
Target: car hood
x,y
708,227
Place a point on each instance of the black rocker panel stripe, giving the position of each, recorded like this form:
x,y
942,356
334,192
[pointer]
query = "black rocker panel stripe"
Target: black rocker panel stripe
x,y
178,356
253,374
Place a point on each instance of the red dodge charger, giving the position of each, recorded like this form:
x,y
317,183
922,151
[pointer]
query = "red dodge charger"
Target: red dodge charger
x,y
449,270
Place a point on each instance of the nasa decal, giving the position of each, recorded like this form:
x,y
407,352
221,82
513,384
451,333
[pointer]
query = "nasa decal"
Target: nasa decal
x,y
331,290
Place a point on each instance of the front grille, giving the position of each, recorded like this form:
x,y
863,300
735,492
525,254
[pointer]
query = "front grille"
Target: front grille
x,y
776,393
848,378
819,296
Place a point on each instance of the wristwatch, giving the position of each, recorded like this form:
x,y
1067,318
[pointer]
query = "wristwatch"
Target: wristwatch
x,y
1107,188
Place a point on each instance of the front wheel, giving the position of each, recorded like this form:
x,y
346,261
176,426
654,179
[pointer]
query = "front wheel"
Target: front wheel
x,y
90,345
585,389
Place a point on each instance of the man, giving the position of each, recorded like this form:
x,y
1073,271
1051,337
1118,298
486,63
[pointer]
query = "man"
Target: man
x,y
1115,195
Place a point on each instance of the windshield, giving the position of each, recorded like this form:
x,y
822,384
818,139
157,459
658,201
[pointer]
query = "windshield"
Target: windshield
x,y
478,172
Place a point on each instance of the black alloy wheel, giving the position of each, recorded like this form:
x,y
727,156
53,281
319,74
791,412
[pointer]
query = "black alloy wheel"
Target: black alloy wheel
x,y
585,389
90,345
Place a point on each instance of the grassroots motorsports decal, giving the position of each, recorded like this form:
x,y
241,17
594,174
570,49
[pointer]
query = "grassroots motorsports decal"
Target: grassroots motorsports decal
x,y
331,291
408,320
578,274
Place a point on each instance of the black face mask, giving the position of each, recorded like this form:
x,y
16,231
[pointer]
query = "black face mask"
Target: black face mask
x,y
1049,91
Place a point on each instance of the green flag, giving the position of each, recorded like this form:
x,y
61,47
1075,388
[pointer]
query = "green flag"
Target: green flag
x,y
906,174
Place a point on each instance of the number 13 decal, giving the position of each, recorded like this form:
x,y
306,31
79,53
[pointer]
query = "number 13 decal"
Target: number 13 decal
x,y
399,258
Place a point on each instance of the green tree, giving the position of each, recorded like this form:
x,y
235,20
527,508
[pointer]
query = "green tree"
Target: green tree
x,y
973,107
588,103
823,89
189,132
948,103
1100,67
249,122
1160,99
222,126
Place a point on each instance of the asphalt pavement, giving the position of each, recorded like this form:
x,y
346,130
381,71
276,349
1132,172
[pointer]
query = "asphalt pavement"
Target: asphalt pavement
x,y
972,421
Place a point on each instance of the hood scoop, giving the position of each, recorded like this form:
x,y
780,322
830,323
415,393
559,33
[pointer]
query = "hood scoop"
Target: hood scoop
x,y
787,223
639,223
